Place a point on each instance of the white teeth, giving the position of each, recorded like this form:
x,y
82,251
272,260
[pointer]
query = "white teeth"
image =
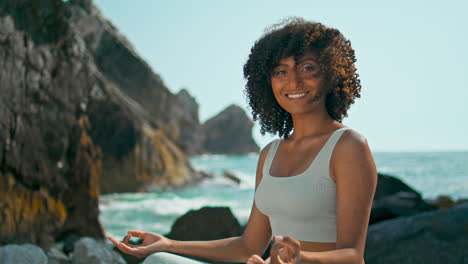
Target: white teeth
x,y
296,95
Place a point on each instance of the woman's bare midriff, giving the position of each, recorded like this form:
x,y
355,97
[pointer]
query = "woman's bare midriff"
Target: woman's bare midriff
x,y
317,246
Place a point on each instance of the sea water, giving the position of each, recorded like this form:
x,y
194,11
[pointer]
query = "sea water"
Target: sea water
x,y
430,173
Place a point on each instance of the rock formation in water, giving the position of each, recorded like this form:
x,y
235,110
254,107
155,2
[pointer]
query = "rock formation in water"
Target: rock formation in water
x,y
191,135
229,132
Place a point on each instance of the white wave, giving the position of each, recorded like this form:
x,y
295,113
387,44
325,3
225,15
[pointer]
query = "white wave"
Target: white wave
x,y
179,206
140,205
211,157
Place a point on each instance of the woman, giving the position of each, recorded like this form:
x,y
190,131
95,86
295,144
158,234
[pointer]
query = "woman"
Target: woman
x,y
315,185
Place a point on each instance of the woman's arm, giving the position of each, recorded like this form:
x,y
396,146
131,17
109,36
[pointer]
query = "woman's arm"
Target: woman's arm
x,y
254,240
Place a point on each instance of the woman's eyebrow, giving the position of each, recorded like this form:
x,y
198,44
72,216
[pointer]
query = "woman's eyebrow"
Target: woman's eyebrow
x,y
307,59
282,64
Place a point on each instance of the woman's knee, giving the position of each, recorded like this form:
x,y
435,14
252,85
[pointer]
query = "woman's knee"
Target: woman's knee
x,y
159,257
168,258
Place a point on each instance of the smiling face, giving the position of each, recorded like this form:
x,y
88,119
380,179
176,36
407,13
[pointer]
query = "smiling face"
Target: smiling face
x,y
298,88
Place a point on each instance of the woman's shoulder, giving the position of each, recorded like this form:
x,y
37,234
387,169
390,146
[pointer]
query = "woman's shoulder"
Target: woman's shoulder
x,y
351,142
350,135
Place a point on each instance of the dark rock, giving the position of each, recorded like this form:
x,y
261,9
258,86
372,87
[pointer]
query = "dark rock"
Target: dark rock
x,y
439,236
191,134
69,243
56,256
229,132
22,254
398,204
49,167
205,175
388,185
461,201
442,201
231,177
189,104
88,250
393,198
207,223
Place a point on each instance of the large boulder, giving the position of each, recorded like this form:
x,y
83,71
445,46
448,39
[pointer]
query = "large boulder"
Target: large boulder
x,y
207,223
91,251
22,254
388,185
55,255
229,132
393,198
435,237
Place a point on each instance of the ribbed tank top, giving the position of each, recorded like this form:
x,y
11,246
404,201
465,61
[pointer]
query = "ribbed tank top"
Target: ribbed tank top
x,y
301,206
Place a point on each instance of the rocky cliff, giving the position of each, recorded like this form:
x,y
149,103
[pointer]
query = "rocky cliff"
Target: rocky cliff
x,y
80,113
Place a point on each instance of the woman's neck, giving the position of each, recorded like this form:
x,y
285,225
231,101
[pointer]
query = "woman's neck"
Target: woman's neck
x,y
312,124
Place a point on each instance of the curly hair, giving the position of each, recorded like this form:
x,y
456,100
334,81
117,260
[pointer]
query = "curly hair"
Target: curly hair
x,y
293,37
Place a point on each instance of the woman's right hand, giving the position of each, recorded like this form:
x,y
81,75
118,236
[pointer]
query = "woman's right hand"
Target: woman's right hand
x,y
151,243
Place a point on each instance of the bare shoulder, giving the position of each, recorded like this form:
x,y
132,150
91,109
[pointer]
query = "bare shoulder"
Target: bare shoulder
x,y
352,155
352,142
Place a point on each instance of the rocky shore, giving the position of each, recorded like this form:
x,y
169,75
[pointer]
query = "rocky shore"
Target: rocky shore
x,y
403,229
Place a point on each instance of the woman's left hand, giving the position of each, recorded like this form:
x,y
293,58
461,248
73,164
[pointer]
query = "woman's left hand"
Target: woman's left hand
x,y
256,259
285,250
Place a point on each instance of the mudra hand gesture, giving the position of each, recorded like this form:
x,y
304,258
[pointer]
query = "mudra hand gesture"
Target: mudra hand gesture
x,y
151,243
285,250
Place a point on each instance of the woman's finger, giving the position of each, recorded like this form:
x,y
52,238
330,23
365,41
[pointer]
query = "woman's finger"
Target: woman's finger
x,y
136,233
124,248
287,240
289,249
126,239
117,244
291,245
275,253
255,259
113,240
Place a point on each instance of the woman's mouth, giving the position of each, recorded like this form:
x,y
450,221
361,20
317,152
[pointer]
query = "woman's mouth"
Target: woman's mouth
x,y
297,95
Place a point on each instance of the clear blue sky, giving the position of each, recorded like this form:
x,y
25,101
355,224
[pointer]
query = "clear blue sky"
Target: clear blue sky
x,y
412,59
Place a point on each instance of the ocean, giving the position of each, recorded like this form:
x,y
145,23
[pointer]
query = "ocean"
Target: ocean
x,y
430,173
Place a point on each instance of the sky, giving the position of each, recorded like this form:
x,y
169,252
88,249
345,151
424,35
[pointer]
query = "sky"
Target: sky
x,y
411,57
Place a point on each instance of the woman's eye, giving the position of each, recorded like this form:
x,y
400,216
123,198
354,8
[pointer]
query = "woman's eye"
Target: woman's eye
x,y
279,73
308,68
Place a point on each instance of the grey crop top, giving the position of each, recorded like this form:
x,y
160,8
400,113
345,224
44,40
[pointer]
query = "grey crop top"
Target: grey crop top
x,y
301,206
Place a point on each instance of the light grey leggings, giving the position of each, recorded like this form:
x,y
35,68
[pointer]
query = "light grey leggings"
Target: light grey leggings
x,y
168,258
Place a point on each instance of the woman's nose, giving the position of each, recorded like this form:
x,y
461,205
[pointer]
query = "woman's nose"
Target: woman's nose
x,y
294,79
